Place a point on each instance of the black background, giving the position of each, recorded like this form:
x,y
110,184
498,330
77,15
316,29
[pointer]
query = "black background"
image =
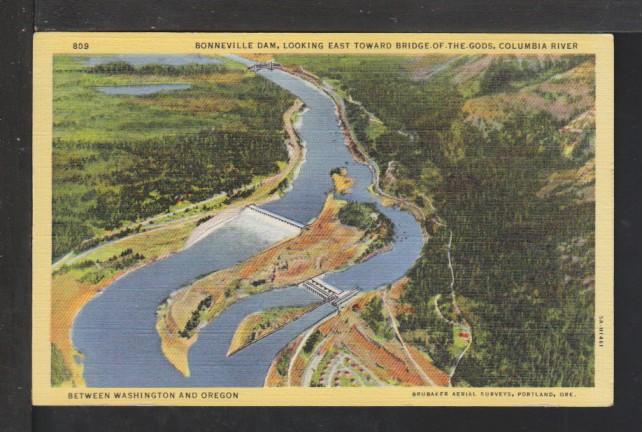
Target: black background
x,y
17,23
335,15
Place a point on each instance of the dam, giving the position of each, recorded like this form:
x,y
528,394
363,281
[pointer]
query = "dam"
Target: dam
x,y
124,314
275,216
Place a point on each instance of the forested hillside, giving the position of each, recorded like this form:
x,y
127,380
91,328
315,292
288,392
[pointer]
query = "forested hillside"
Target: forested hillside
x,y
498,150
118,159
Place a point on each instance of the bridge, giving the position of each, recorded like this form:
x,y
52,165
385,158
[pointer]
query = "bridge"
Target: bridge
x,y
266,65
344,297
276,217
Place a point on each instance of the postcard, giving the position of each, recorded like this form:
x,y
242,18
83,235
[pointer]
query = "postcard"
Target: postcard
x,y
323,219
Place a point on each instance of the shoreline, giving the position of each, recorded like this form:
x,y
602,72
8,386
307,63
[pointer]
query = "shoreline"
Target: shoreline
x,y
231,352
76,368
291,169
358,153
87,293
327,230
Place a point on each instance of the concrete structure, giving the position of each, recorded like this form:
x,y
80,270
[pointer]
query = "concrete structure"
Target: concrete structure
x,y
324,290
344,297
275,216
327,292
267,65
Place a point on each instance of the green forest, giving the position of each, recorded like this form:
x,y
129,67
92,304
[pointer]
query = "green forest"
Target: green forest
x,y
118,159
521,260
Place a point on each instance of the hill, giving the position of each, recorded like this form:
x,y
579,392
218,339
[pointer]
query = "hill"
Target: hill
x,y
499,153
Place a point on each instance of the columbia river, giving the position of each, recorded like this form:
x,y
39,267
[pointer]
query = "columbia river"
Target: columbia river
x,y
116,333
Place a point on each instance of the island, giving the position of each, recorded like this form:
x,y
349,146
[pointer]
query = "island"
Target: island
x,y
259,325
345,233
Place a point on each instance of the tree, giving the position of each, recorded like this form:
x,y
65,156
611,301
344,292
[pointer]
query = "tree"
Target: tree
x,y
430,177
373,313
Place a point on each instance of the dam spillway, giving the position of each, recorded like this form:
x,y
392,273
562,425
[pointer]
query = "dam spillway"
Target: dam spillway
x,y
275,217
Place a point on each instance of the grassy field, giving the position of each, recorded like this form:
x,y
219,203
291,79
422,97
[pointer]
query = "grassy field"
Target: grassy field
x,y
114,146
82,113
81,277
119,159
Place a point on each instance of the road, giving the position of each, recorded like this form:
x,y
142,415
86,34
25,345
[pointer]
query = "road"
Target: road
x,y
295,152
372,165
336,366
302,343
393,322
457,310
376,172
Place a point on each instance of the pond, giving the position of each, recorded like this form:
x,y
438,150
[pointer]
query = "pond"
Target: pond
x,y
141,90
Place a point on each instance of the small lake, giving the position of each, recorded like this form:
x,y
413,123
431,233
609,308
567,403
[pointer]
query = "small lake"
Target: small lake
x,y
142,90
141,60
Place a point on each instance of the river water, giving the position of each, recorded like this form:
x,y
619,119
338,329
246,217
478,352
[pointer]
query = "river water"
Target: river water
x,y
116,333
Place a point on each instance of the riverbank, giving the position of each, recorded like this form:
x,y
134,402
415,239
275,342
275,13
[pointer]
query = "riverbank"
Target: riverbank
x,y
100,160
72,289
387,200
325,246
259,325
357,150
356,347
133,357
